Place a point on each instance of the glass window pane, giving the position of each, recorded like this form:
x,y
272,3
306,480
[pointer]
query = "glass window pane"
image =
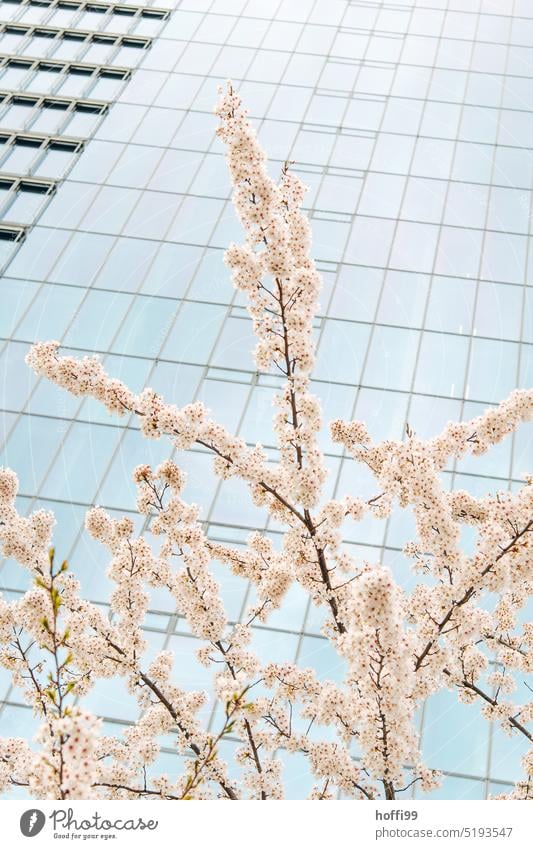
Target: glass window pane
x,y
194,332
54,164
391,358
125,265
225,401
403,299
424,200
414,246
97,320
69,205
152,215
465,748
135,166
504,257
173,269
98,157
81,258
341,351
174,170
17,380
466,205
383,412
441,364
382,195
145,327
509,210
473,162
459,252
50,313
370,241
15,296
493,370
31,448
428,416
498,311
432,158
20,158
110,209
356,293
25,207
235,345
77,471
451,304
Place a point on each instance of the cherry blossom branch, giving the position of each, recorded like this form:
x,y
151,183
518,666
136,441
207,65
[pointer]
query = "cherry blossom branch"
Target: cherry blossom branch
x,y
469,593
397,647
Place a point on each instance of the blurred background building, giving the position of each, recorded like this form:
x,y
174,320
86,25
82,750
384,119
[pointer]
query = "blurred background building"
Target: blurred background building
x,y
411,123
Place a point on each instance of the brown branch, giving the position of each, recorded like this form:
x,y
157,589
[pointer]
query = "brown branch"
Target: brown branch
x,y
468,685
468,594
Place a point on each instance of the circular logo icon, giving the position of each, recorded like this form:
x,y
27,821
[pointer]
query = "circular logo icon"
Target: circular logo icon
x,y
32,822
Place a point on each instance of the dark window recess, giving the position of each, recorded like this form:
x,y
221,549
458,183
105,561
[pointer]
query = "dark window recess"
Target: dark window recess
x,y
63,144
22,99
36,187
16,63
49,103
110,73
82,70
87,106
127,11
162,14
15,29
131,41
104,39
28,141
44,33
11,234
51,67
71,35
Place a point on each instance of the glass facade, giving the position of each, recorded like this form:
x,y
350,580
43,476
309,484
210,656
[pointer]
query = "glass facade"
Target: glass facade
x,y
410,122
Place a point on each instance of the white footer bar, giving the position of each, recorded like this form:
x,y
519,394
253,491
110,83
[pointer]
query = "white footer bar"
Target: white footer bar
x,y
306,824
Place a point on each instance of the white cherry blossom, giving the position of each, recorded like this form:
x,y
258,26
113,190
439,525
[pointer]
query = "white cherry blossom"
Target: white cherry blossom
x,y
460,627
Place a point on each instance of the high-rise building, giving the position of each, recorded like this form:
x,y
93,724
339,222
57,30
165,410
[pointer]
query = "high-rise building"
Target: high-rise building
x,y
411,122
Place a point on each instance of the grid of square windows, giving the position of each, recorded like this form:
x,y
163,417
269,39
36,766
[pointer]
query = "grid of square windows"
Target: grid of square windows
x,y
58,80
